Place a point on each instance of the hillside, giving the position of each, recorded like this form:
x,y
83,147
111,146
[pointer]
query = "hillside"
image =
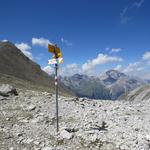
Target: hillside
x,y
18,69
139,94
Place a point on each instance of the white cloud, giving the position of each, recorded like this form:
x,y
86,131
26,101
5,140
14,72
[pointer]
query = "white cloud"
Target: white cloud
x,y
66,42
39,56
119,68
137,68
140,68
145,75
130,11
48,69
138,4
123,17
70,69
100,59
146,56
24,47
4,40
115,50
138,71
107,49
133,68
71,66
41,42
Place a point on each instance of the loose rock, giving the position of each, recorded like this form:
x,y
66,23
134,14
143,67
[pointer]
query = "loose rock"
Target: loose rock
x,y
65,134
6,90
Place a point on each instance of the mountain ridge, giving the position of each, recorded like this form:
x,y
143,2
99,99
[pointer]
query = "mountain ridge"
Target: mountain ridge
x,y
113,83
85,86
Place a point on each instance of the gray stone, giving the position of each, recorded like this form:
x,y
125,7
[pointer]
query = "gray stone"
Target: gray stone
x,y
1,98
36,143
37,119
28,141
65,134
47,148
31,107
147,137
6,90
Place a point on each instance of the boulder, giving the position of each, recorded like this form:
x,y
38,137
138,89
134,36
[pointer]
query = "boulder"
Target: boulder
x,y
31,107
47,148
6,90
65,134
1,98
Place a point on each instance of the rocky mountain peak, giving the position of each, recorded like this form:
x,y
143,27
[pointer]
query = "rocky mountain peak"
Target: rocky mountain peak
x,y
111,76
78,76
115,74
7,45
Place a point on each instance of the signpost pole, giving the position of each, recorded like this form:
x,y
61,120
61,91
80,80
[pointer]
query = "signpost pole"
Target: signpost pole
x,y
57,59
56,91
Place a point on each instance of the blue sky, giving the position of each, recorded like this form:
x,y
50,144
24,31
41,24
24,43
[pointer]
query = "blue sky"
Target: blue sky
x,y
94,35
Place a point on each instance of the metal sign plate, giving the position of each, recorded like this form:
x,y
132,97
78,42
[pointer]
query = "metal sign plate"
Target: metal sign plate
x,y
55,61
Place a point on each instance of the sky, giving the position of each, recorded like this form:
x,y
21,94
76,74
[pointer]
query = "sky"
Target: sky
x,y
93,35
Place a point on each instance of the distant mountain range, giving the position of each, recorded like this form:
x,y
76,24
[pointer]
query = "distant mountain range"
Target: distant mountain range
x,y
86,86
110,85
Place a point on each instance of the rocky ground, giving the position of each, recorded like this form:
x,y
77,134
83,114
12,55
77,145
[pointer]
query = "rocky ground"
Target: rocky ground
x,y
27,122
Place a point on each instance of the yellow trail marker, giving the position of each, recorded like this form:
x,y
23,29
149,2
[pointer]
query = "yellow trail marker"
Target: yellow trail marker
x,y
58,55
51,48
55,50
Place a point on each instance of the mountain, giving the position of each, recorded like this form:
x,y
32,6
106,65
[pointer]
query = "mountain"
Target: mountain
x,y
119,83
138,94
86,86
15,67
110,85
111,76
